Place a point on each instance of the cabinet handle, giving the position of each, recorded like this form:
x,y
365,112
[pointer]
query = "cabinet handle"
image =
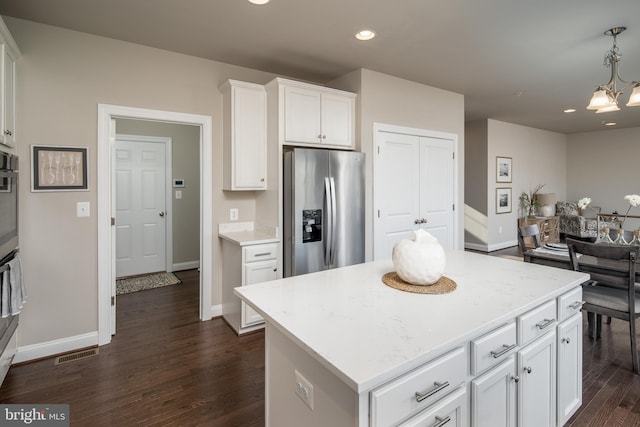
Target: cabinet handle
x,y
441,421
567,340
263,254
8,132
319,136
545,324
436,388
515,379
324,136
261,179
576,304
275,269
505,349
527,369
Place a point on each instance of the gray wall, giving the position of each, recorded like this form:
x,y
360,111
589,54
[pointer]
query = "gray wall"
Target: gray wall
x,y
62,76
605,166
538,157
185,160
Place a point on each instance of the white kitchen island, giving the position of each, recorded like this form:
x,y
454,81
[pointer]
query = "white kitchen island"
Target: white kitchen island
x,y
344,349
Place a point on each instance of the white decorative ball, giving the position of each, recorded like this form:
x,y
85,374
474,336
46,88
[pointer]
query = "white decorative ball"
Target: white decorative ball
x,y
419,261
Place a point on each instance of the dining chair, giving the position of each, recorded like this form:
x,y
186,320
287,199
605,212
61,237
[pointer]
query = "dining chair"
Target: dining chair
x,y
530,231
611,290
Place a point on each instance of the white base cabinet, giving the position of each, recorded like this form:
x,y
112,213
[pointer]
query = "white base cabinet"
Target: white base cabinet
x,y
537,385
493,396
245,266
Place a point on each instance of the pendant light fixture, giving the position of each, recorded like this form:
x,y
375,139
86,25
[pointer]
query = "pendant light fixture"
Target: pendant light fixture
x,y
605,98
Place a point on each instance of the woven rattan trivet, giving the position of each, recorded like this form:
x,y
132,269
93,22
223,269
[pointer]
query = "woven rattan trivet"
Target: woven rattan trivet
x,y
442,286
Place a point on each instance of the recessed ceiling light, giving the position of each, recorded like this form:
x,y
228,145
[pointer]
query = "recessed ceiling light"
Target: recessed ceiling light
x,y
610,124
365,35
259,1
570,110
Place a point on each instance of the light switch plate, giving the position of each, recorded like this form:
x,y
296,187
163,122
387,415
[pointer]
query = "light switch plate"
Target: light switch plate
x,y
233,214
178,194
82,209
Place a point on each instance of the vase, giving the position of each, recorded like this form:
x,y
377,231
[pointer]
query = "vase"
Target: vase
x,y
636,238
620,240
604,237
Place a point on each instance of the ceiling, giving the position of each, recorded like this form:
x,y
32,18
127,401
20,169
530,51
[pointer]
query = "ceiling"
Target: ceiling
x,y
518,61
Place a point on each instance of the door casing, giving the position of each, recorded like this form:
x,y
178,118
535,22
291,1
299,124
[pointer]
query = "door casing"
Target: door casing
x,y
106,261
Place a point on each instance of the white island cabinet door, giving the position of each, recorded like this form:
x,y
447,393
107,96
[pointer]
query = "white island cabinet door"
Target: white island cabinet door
x,y
537,385
493,396
569,367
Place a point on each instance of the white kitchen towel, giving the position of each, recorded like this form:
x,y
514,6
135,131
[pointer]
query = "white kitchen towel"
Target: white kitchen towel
x,y
5,295
18,290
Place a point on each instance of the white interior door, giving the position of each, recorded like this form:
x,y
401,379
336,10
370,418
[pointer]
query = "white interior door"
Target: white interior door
x,y
140,181
414,187
437,189
397,176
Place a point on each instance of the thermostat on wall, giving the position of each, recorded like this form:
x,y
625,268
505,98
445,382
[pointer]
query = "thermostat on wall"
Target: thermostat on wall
x,y
179,182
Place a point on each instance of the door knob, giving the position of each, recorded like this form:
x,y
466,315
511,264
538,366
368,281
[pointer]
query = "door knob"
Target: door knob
x,y
161,213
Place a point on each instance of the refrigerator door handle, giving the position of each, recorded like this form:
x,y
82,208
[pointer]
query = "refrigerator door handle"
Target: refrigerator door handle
x,y
333,220
328,241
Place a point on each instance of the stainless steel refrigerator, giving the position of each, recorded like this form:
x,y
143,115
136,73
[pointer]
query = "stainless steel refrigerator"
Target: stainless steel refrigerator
x,y
323,210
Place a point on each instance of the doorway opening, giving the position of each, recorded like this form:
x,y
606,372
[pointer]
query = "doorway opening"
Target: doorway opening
x,y
107,117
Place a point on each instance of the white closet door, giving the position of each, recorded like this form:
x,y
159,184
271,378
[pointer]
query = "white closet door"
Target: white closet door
x,y
436,189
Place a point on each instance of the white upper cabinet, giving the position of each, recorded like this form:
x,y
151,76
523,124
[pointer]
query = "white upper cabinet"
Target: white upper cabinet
x,y
317,116
245,136
10,53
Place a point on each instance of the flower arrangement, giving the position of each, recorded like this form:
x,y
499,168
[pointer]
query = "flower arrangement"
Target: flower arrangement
x,y
584,202
634,201
529,202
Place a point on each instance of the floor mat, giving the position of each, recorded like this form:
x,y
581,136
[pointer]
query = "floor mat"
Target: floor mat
x,y
145,281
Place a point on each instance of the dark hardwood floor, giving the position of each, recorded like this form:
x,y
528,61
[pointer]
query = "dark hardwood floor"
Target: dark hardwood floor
x,y
165,367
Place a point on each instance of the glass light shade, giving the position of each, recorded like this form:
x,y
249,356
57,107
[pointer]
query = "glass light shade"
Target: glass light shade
x,y
599,100
608,108
634,98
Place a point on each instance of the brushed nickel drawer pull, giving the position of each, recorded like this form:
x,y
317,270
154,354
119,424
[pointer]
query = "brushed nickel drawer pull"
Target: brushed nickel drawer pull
x,y
505,349
545,324
441,421
436,388
263,254
576,304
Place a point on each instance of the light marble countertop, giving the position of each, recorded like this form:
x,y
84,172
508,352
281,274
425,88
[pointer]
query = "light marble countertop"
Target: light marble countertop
x,y
367,333
247,233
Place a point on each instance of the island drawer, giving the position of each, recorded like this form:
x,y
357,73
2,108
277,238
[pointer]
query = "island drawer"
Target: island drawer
x,y
452,411
260,252
536,322
569,304
418,389
492,348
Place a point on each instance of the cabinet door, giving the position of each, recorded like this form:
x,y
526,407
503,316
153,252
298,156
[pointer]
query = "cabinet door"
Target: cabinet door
x,y
537,385
493,396
257,272
337,120
569,367
249,139
9,129
302,115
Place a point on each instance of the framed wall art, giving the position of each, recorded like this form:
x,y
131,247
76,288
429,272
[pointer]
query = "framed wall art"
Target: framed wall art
x,y
55,168
503,169
503,200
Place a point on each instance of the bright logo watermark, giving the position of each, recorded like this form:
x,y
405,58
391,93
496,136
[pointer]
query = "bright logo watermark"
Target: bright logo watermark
x,y
34,415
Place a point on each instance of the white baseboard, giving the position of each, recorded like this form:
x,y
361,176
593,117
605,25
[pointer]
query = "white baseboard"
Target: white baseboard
x,y
49,348
476,246
216,310
189,265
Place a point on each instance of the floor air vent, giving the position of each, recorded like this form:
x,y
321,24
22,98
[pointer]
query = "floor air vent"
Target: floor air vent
x,y
76,356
